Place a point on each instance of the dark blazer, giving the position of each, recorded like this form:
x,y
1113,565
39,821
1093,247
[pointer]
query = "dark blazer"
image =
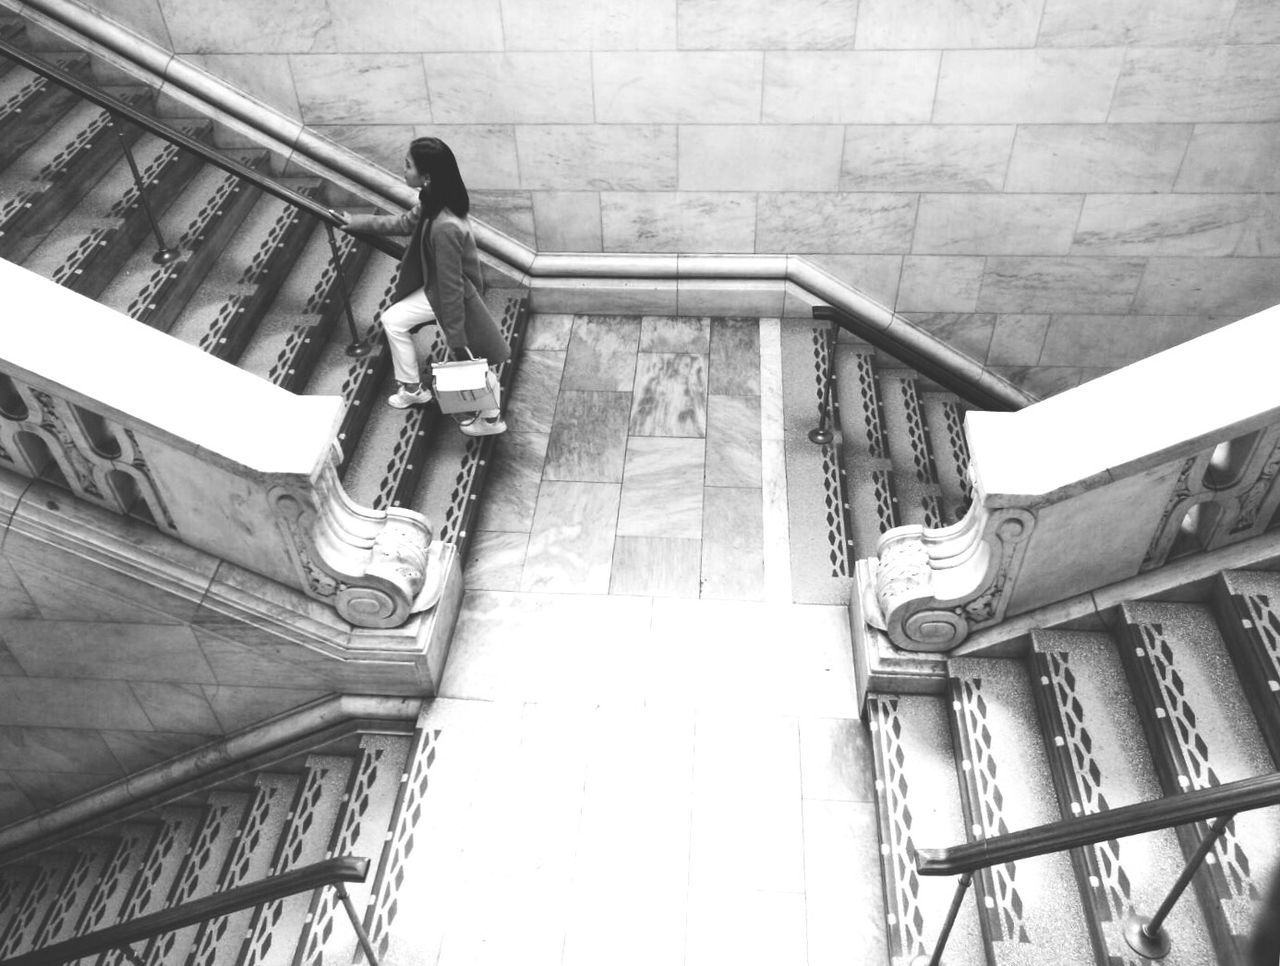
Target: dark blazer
x,y
447,264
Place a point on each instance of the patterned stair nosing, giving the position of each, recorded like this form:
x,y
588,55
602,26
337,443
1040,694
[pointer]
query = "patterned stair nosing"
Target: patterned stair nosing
x,y
1250,621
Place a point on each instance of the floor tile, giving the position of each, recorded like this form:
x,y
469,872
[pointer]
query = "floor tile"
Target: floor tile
x,y
656,566
835,760
514,476
733,441
732,543
735,357
662,487
844,907
588,440
745,928
671,395
602,353
664,333
532,403
571,545
548,331
496,560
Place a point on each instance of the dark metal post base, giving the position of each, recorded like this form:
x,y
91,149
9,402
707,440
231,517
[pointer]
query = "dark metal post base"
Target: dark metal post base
x,y
821,435
165,255
1142,942
364,350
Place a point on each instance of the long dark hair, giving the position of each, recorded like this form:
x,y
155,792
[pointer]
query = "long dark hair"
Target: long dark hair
x,y
432,157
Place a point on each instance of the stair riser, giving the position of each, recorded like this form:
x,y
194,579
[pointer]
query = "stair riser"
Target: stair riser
x,y
29,120
1250,625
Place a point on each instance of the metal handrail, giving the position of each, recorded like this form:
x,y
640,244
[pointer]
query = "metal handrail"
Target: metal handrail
x,y
332,872
160,129
967,388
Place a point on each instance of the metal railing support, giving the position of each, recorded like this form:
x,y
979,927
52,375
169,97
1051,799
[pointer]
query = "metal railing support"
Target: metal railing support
x,y
822,434
936,959
164,254
359,348
365,944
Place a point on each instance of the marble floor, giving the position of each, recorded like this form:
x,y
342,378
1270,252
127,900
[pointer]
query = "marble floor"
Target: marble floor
x,y
645,752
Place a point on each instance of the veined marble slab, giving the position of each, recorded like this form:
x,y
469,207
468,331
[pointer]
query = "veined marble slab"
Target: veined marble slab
x,y
732,543
486,153
1117,224
1226,84
496,560
1255,22
1097,157
662,487
735,357
849,87
515,474
571,544
733,441
940,283
531,407
875,275
384,144
776,157
798,222
567,221
1233,287
968,332
1027,86
688,221
361,89
508,211
1130,23
995,224
1232,157
1081,285
942,24
617,157
756,25
602,353
268,76
548,330
670,397
1017,340
907,157
588,439
656,566
664,333
510,88
1104,340
677,87
599,25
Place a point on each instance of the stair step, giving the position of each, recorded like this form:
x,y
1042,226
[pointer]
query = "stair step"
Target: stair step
x,y
103,909
362,831
12,31
918,806
91,859
915,475
239,290
1029,907
46,181
1202,733
15,881
868,472
944,416
40,896
262,832
201,871
1099,760
197,226
312,820
91,244
30,104
1247,604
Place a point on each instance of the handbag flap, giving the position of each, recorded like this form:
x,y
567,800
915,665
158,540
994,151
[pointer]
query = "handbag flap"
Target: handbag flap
x,y
469,374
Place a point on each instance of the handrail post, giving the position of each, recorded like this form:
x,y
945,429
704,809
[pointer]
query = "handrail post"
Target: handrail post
x,y
822,433
130,955
1148,937
358,349
164,254
365,943
961,888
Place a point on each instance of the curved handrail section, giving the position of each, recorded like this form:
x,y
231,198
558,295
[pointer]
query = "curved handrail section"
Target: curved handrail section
x,y
1176,454
328,872
1207,803
187,143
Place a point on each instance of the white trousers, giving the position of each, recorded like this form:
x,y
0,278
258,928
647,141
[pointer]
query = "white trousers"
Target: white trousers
x,y
397,320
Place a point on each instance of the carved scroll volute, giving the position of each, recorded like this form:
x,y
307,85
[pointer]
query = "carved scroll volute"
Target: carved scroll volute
x,y
934,586
372,566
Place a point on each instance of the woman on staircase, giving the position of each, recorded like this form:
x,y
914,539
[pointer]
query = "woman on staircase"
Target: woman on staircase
x,y
439,278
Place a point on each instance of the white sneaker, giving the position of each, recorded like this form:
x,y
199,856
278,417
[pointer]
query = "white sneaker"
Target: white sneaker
x,y
483,426
403,399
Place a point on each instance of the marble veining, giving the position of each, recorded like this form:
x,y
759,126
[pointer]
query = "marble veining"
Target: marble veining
x,y
512,490
664,333
917,157
656,566
671,395
662,487
547,330
735,357
571,544
531,407
602,353
732,543
733,441
496,560
588,439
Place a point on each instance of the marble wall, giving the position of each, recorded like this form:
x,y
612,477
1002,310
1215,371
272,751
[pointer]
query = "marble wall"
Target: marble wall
x,y
1056,186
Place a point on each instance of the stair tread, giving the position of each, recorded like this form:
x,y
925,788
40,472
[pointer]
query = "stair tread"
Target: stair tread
x,y
864,450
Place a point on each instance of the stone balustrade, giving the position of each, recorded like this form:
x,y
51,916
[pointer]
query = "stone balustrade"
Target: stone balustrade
x,y
1176,454
108,409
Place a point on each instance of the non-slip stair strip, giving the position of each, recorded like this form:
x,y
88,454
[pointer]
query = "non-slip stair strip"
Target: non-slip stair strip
x,y
1247,607
30,110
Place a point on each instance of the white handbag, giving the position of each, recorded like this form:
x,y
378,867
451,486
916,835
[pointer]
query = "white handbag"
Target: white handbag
x,y
464,387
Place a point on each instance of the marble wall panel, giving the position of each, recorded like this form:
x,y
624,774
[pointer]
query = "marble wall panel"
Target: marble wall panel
x,y
361,89
940,283
941,24
1027,86
60,703
55,749
486,153
873,275
757,25
1198,84
590,25
1111,340
237,707
511,212
1232,157
180,707
1117,224
426,25
1233,287
521,88
48,788
265,77
14,802
15,602
1042,381
579,157
689,221
383,144
141,16
117,651
1105,23
135,750
677,87
968,332
1255,22
786,157
1097,157
1017,340
798,222
1261,235
246,26
995,224
1040,285
906,157
849,87
567,221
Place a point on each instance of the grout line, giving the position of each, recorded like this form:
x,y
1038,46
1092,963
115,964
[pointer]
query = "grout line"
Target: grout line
x,y
773,467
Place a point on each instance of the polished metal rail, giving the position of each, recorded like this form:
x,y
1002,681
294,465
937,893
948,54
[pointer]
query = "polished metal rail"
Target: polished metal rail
x,y
330,872
1145,935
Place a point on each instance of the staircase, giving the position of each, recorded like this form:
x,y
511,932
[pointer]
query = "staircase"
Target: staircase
x,y
252,279
354,794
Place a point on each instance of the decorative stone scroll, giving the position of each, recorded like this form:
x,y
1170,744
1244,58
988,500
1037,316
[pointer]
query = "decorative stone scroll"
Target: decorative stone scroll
x,y
375,567
933,586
